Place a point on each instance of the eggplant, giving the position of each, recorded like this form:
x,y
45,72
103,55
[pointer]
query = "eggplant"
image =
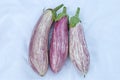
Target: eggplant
x,y
59,42
78,50
38,48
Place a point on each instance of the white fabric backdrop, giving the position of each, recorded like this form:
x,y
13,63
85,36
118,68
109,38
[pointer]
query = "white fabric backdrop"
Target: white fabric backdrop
x,y
101,22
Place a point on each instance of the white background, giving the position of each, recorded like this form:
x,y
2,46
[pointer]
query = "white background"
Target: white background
x,y
101,22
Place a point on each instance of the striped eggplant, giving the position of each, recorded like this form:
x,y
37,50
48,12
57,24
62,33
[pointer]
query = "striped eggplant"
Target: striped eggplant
x,y
38,48
78,51
59,42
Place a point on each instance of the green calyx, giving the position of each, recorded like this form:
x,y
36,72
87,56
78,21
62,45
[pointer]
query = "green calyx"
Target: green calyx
x,y
62,14
75,19
54,11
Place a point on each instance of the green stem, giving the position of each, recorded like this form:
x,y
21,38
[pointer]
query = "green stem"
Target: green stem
x,y
64,10
62,14
54,11
58,7
75,19
77,12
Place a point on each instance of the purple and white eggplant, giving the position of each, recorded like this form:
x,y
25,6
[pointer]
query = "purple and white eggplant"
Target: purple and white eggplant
x,y
78,51
59,42
38,48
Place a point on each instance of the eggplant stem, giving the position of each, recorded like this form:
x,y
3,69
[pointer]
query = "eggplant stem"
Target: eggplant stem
x,y
62,14
77,12
64,10
58,7
75,19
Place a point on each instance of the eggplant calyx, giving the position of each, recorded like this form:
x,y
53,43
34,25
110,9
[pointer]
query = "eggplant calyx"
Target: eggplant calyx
x,y
75,19
62,14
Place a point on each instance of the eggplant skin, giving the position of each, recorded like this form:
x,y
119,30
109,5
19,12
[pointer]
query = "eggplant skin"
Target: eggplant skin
x,y
78,51
38,50
59,44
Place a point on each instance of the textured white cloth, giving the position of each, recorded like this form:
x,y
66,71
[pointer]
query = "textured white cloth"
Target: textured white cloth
x,y
101,22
